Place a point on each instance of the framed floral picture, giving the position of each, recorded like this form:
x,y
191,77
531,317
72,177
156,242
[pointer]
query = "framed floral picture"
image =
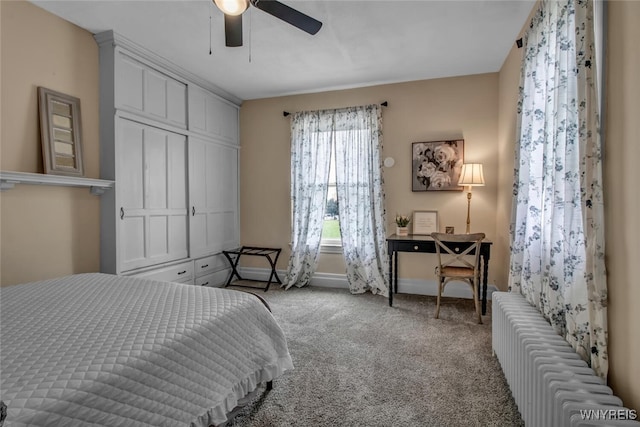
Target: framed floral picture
x,y
436,165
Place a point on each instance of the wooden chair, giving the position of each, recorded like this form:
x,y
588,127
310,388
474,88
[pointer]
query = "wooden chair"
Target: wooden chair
x,y
454,251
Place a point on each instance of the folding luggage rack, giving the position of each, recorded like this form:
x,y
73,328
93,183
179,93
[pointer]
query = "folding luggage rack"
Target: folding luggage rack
x,y
271,254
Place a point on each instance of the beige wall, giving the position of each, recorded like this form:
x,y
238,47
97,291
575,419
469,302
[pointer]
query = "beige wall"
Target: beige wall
x,y
461,107
509,81
622,149
622,204
45,231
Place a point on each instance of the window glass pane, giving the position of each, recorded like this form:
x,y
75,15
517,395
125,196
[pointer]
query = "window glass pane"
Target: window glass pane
x,y
331,224
332,170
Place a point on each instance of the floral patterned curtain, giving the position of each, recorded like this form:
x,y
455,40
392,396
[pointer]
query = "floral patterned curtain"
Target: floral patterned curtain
x,y
557,230
361,198
356,135
311,142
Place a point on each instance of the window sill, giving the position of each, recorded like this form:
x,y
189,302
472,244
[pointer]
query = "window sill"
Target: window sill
x,y
329,248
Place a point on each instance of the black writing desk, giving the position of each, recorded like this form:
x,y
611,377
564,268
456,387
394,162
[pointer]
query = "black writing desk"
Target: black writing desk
x,y
425,244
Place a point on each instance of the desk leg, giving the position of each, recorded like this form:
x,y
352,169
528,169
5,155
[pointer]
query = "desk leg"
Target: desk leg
x,y
485,274
395,271
390,279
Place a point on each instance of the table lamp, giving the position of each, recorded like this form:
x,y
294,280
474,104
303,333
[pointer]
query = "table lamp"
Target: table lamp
x,y
471,176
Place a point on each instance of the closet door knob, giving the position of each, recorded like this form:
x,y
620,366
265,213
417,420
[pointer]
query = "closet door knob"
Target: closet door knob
x,y
121,213
193,211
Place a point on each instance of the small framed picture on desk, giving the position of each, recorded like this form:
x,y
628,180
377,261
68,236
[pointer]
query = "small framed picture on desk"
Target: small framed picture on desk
x,y
425,222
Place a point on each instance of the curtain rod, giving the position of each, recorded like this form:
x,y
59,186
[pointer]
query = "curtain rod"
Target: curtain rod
x,y
384,104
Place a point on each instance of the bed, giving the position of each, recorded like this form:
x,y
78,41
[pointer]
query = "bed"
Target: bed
x,y
109,350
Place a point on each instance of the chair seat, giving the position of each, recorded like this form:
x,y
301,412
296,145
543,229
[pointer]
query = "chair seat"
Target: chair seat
x,y
462,272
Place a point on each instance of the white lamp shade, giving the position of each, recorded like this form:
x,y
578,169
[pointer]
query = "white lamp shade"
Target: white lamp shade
x,y
232,7
471,175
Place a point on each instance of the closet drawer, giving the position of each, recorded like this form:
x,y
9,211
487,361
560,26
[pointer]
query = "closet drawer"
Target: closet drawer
x,y
182,272
209,264
188,281
206,280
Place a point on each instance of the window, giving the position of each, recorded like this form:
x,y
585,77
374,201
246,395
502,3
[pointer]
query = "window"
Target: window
x,y
557,250
347,140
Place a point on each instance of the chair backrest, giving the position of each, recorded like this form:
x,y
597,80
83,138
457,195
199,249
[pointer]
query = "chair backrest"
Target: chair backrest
x,y
446,244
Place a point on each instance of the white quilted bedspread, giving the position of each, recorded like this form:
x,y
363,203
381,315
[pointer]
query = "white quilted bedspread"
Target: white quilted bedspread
x,y
97,349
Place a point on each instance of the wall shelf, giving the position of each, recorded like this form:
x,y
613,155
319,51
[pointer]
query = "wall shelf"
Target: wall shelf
x,y
8,180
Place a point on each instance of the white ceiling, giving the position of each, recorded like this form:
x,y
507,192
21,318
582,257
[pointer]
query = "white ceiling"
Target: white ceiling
x,y
361,43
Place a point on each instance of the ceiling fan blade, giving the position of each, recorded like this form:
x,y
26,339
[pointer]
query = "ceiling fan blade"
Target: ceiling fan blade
x,y
288,14
233,30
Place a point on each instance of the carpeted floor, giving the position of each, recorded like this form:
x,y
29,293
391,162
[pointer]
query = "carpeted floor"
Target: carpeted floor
x,y
359,362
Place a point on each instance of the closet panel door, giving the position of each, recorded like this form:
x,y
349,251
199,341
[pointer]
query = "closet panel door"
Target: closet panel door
x,y
213,176
165,98
197,109
230,122
130,194
155,94
144,90
229,197
212,116
129,74
152,192
177,103
197,197
215,181
177,196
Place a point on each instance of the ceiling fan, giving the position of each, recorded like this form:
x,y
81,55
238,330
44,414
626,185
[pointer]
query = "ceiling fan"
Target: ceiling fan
x,y
233,10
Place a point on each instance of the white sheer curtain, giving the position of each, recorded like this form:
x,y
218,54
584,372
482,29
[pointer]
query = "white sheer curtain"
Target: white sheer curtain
x,y
557,230
356,136
311,144
361,198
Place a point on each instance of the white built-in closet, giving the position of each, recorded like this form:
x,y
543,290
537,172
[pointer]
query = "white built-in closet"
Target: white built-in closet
x,y
171,146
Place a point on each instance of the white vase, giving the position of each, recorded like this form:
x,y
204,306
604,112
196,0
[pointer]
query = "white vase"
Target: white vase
x,y
402,231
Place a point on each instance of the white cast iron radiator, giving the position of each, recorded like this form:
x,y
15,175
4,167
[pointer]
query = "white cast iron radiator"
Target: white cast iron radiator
x,y
551,384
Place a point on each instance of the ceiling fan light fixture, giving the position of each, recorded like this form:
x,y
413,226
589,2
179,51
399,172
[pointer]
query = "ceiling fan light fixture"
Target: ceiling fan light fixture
x,y
232,7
